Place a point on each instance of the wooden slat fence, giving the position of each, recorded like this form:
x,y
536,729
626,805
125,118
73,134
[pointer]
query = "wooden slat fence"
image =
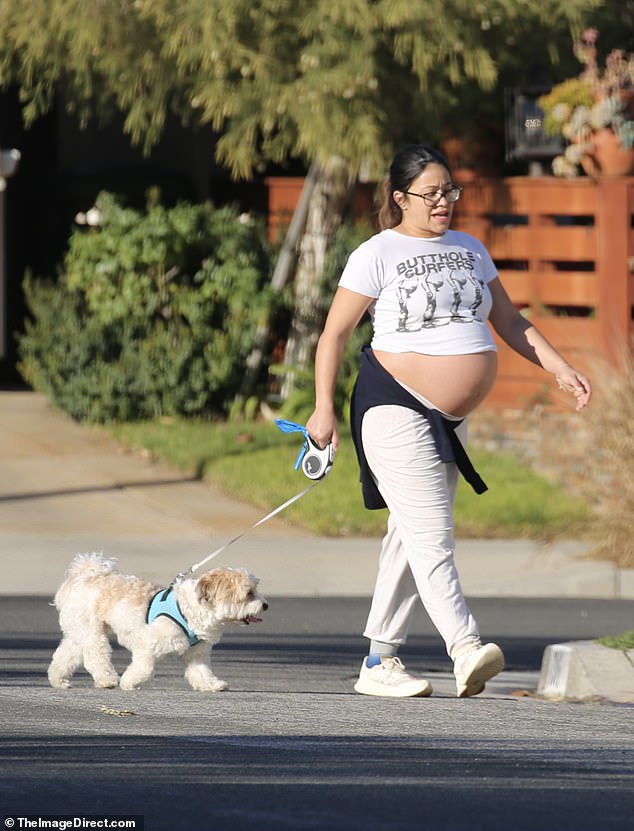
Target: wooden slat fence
x,y
565,253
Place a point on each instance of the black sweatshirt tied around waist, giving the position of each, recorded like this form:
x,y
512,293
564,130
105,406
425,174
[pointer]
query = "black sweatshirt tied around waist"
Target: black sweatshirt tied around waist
x,y
374,387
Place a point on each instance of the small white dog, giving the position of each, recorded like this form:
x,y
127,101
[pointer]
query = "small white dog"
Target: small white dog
x,y
96,600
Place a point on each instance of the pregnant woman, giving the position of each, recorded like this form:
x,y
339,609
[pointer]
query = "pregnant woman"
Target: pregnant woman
x,y
431,294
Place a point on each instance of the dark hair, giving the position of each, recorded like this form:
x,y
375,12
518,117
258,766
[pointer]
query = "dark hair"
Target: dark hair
x,y
406,166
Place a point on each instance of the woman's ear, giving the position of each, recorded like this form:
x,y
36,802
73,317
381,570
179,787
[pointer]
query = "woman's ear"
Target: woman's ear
x,y
400,199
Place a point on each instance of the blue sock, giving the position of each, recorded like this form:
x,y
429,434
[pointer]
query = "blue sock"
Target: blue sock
x,y
378,650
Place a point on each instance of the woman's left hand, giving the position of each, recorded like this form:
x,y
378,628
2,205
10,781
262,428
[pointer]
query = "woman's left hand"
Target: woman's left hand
x,y
569,380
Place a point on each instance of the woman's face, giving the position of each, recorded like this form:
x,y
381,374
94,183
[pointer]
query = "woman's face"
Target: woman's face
x,y
419,218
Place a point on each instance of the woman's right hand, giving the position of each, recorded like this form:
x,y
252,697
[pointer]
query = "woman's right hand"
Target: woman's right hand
x,y
323,429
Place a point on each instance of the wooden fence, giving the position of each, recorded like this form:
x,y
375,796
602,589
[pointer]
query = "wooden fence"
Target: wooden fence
x,y
565,253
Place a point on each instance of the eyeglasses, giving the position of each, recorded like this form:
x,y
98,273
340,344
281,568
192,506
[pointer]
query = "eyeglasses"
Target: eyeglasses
x,y
433,197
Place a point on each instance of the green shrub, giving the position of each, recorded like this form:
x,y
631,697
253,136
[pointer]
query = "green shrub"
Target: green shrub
x,y
153,313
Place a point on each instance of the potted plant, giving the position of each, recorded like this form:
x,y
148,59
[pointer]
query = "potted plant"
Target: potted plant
x,y
594,112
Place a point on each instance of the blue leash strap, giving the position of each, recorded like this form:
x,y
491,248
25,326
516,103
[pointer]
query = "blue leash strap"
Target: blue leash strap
x,y
292,427
315,461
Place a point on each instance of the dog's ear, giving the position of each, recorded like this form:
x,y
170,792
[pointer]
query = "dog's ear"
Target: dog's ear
x,y
220,586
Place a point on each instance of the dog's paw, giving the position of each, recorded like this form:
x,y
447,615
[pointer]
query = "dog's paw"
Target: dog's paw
x,y
210,685
107,684
60,683
106,680
128,683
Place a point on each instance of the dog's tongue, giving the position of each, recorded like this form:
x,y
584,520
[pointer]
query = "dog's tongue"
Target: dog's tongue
x,y
253,619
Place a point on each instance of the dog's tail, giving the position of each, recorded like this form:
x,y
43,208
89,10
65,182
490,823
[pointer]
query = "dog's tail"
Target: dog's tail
x,y
84,566
90,565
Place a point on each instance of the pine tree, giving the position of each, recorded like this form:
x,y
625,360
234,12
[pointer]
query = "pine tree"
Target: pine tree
x,y
335,84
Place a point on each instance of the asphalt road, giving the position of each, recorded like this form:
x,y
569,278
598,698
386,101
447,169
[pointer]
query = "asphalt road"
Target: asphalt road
x,y
291,747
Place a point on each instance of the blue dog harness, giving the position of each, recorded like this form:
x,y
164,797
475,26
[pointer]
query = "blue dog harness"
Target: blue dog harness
x,y
164,604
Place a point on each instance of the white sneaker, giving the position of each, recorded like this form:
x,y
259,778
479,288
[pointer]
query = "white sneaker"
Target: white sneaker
x,y
474,668
390,679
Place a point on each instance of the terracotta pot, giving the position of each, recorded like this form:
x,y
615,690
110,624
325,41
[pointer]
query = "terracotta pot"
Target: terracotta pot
x,y
608,158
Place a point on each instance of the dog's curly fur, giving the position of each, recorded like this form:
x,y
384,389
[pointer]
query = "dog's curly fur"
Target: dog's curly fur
x,y
96,600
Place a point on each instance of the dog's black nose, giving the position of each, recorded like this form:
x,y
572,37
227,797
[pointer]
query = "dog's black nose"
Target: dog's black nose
x,y
265,606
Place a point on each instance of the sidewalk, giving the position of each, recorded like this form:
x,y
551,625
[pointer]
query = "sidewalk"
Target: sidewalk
x,y
65,488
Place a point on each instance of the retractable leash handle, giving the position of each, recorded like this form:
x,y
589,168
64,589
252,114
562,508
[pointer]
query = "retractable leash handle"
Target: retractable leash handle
x,y
315,461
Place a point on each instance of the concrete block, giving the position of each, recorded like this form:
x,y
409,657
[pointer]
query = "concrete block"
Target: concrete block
x,y
626,583
585,670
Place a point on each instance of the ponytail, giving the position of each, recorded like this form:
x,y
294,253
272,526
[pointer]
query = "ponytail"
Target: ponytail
x,y
390,215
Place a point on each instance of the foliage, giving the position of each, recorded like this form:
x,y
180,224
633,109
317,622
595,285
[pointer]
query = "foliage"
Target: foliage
x,y
105,55
519,503
616,75
152,314
275,78
561,101
624,641
278,79
577,107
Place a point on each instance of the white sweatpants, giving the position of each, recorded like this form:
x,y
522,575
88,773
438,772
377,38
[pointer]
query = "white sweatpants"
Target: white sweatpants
x,y
417,552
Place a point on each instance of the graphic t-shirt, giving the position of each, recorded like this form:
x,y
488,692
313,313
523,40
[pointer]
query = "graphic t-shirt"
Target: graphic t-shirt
x,y
430,295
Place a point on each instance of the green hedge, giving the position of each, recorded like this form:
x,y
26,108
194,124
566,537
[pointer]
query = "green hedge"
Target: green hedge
x,y
154,313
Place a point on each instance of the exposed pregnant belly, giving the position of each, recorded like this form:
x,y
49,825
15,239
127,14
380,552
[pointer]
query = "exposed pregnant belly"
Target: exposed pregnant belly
x,y
456,384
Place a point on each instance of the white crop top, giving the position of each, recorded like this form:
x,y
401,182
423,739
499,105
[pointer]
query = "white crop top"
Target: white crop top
x,y
430,294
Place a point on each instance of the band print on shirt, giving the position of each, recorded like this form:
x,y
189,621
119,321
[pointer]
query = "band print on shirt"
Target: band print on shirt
x,y
437,289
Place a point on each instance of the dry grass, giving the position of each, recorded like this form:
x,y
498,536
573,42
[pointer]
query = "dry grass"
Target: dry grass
x,y
595,459
608,447
590,454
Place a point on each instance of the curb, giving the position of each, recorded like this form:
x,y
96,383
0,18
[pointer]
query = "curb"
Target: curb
x,y
586,670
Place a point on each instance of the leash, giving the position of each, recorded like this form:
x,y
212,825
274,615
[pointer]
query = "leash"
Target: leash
x,y
316,462
226,545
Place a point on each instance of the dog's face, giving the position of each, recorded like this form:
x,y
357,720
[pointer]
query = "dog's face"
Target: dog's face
x,y
231,595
